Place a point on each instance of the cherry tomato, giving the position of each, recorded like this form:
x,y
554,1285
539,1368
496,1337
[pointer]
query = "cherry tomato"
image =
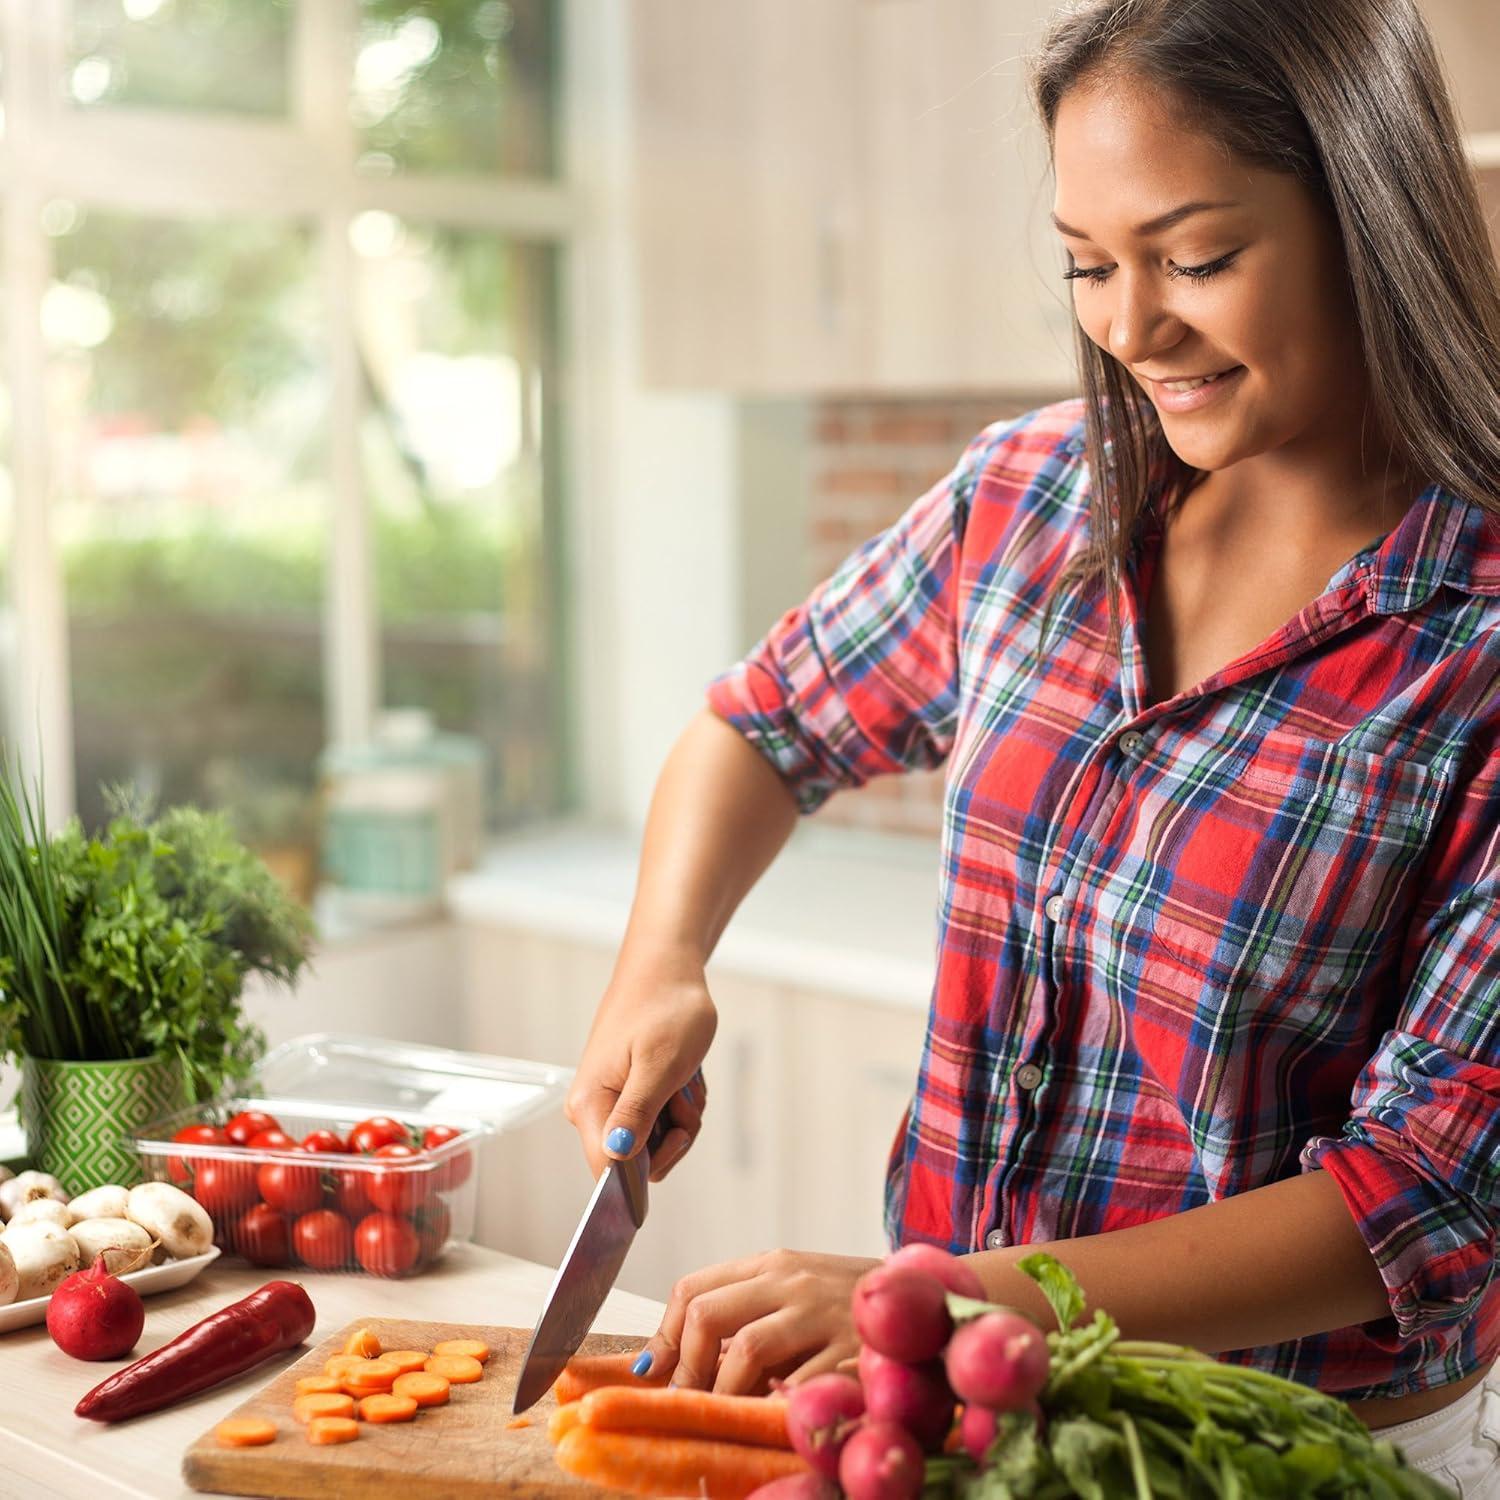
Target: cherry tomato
x,y
324,1239
275,1139
386,1245
247,1123
400,1189
225,1186
351,1195
263,1237
433,1224
180,1168
289,1189
322,1140
453,1168
378,1131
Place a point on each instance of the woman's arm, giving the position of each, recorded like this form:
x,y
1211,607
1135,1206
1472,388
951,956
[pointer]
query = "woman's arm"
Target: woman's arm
x,y
1276,1263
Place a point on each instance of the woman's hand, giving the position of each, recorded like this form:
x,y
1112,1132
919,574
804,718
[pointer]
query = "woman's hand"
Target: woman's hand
x,y
734,1326
644,1054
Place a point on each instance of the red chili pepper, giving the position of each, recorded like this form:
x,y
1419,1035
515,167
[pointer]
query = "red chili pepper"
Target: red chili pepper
x,y
276,1316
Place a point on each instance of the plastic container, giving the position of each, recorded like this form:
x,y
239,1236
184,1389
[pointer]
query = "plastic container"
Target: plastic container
x,y
391,1214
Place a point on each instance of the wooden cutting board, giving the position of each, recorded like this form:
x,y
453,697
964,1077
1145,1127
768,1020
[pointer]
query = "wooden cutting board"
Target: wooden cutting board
x,y
461,1449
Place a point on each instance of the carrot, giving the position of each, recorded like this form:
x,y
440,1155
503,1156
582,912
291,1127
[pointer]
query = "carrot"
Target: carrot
x,y
336,1364
317,1385
474,1348
363,1343
424,1389
244,1432
372,1374
384,1407
457,1369
518,1422
563,1420
760,1420
322,1404
587,1372
649,1465
405,1360
332,1430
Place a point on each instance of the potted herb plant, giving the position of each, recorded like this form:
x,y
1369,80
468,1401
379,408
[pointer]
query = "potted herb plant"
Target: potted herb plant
x,y
122,961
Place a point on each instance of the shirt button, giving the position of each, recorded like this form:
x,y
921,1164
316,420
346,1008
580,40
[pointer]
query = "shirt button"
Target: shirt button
x,y
1054,909
1028,1075
1131,743
995,1240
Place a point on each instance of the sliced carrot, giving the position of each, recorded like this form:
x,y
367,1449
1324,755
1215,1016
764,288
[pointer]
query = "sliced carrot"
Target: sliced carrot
x,y
406,1360
363,1343
322,1404
424,1389
586,1372
336,1364
518,1422
316,1385
372,1374
760,1420
244,1432
563,1420
383,1407
458,1369
474,1348
332,1430
645,1464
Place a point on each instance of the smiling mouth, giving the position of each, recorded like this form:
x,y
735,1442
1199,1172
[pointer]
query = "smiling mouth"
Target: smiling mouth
x,y
1193,382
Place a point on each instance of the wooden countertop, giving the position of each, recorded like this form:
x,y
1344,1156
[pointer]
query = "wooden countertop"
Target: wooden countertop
x,y
46,1451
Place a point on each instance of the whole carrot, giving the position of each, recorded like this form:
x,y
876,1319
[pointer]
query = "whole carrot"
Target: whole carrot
x,y
643,1464
587,1372
276,1316
760,1420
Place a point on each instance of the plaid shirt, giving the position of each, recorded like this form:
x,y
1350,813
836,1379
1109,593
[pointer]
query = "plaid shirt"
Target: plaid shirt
x,y
1192,947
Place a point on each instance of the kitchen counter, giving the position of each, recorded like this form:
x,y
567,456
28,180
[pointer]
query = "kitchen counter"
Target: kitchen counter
x,y
45,1451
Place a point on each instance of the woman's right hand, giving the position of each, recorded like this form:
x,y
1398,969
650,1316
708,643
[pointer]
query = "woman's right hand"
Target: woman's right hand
x,y
644,1054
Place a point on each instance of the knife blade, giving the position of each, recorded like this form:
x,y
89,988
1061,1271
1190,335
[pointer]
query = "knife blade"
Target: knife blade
x,y
587,1272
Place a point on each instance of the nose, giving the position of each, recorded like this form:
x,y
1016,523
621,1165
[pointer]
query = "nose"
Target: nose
x,y
1141,324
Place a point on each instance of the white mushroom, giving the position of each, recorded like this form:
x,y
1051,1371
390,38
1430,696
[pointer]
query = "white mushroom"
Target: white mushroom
x,y
99,1203
43,1254
171,1216
9,1281
39,1208
13,1193
121,1241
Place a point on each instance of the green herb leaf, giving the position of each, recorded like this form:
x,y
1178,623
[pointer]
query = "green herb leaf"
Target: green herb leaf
x,y
1058,1285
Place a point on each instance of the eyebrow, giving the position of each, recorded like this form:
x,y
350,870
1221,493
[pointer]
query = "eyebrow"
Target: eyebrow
x,y
1168,220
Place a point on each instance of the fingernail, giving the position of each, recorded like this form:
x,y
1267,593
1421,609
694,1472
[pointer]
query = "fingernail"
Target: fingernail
x,y
619,1140
642,1366
687,1093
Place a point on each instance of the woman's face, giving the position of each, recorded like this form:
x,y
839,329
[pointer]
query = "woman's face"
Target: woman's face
x,y
1267,312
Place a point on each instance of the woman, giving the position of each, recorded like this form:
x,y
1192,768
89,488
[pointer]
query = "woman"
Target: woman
x,y
1215,672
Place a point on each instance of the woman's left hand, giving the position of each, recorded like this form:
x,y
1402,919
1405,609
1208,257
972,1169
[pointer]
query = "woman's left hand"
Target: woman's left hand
x,y
733,1326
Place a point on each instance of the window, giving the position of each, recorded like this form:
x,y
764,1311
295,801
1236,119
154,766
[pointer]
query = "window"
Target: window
x,y
290,405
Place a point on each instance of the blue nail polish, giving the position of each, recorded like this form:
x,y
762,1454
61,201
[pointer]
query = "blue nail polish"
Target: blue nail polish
x,y
642,1366
619,1140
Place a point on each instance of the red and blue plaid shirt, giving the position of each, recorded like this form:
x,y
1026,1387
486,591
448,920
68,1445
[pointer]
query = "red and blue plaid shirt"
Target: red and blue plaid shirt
x,y
1190,947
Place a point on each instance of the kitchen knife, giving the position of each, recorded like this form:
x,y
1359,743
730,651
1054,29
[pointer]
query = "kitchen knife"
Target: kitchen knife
x,y
598,1248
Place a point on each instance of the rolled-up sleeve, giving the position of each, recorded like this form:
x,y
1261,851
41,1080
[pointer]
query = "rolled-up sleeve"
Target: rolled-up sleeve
x,y
1418,1160
861,679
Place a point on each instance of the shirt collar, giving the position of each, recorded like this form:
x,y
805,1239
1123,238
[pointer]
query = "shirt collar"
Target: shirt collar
x,y
1442,539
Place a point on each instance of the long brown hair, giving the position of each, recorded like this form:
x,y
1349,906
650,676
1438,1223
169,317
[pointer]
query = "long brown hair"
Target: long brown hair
x,y
1347,96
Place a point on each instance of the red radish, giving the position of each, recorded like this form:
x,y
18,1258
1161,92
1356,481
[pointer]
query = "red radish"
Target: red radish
x,y
881,1462
915,1396
94,1315
820,1415
797,1487
999,1360
955,1274
976,1429
902,1312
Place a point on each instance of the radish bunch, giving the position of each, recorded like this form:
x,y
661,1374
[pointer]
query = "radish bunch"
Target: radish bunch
x,y
870,1436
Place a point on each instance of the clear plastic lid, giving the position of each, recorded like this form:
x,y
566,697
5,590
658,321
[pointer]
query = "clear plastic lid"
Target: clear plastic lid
x,y
466,1089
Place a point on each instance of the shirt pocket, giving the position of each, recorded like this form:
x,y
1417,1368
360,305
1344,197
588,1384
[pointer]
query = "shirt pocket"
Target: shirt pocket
x,y
1301,875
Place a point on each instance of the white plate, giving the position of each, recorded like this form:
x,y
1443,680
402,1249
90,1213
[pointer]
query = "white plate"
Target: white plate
x,y
150,1279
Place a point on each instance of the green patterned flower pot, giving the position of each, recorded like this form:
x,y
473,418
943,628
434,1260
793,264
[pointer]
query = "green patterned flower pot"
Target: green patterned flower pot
x,y
80,1116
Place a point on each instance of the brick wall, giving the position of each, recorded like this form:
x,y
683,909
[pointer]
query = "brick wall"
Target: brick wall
x,y
870,460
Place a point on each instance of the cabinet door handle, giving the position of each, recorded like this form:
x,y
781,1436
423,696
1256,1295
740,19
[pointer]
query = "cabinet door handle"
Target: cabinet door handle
x,y
742,1068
